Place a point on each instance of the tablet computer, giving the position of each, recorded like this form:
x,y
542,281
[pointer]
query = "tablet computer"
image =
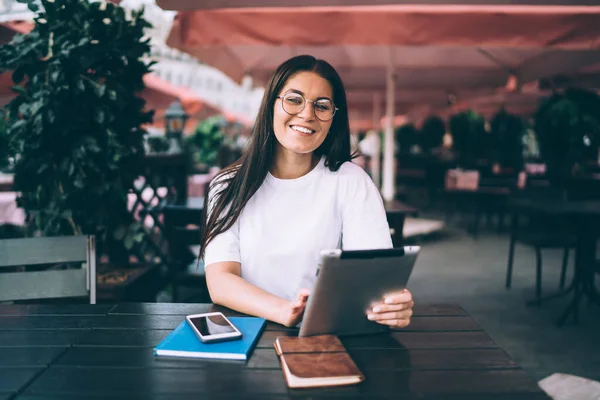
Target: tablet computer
x,y
349,283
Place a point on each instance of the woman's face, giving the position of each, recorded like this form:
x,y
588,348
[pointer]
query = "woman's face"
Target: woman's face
x,y
302,133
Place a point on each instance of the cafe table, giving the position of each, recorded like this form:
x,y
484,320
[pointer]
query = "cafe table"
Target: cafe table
x,y
104,351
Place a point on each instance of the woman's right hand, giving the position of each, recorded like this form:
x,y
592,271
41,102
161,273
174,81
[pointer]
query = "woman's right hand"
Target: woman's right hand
x,y
290,314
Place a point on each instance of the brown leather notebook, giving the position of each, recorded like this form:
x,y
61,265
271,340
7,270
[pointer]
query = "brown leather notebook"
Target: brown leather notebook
x,y
316,361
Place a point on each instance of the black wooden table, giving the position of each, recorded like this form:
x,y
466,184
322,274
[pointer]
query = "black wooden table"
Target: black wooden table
x,y
584,219
106,352
396,213
478,201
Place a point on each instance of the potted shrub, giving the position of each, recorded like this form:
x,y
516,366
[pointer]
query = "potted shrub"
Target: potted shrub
x,y
507,134
157,144
567,127
76,124
205,144
407,137
432,134
469,141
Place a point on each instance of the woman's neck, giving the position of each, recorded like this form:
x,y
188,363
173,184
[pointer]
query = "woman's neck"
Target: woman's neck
x,y
291,166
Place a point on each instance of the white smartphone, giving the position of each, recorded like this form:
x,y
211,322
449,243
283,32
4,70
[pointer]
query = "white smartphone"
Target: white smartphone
x,y
213,327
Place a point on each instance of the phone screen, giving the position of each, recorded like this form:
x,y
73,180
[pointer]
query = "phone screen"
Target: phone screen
x,y
212,325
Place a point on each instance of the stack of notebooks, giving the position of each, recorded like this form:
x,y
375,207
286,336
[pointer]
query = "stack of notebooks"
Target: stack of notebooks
x,y
316,361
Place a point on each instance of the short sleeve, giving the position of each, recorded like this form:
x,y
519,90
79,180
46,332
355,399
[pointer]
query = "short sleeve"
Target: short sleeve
x,y
364,222
226,245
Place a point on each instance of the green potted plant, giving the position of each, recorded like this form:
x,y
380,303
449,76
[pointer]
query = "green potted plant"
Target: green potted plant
x,y
204,145
75,126
567,127
507,132
432,134
469,140
407,136
157,144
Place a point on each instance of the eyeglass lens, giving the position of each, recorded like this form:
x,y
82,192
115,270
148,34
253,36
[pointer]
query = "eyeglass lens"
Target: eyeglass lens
x,y
294,103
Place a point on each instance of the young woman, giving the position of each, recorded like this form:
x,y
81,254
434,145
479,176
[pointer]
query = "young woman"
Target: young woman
x,y
293,193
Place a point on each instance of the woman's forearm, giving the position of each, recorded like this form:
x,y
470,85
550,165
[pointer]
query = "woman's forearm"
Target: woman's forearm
x,y
232,291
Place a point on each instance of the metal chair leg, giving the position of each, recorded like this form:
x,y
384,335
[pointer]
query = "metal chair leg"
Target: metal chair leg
x,y
514,223
538,276
563,271
511,255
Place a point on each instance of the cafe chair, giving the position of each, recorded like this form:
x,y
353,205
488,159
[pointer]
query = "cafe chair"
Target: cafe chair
x,y
36,268
539,239
183,239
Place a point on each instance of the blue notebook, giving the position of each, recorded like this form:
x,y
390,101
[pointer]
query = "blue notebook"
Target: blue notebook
x,y
182,342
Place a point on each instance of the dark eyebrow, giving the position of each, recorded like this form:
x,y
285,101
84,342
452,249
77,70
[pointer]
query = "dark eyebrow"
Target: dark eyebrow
x,y
302,94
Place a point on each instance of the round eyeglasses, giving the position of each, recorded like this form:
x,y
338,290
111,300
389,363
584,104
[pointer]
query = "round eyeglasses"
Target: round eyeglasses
x,y
294,103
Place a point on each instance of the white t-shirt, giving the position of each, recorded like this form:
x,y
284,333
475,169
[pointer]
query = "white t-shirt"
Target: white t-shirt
x,y
284,226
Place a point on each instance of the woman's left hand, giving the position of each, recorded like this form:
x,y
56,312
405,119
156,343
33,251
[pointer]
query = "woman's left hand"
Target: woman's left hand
x,y
395,310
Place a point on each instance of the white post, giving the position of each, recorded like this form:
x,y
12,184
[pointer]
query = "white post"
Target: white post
x,y
376,160
388,187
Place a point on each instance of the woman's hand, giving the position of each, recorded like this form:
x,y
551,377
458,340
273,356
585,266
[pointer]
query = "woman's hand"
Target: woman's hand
x,y
395,310
292,311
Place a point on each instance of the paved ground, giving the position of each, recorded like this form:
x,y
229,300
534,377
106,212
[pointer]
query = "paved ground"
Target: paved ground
x,y
471,272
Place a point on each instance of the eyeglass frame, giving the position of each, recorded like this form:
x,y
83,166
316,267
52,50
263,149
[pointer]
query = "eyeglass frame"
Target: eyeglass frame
x,y
335,109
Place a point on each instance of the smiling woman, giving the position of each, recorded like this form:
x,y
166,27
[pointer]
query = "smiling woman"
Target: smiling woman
x,y
301,125
293,193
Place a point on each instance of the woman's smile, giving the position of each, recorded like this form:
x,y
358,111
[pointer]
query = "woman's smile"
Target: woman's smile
x,y
302,130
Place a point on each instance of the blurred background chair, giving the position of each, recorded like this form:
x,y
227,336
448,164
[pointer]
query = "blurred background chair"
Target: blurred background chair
x,y
40,268
538,237
539,232
184,233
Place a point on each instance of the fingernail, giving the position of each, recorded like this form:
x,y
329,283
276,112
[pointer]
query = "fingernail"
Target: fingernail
x,y
371,317
388,301
377,309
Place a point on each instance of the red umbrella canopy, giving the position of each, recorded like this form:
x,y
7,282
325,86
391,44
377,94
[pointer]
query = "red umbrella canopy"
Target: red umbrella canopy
x,y
448,49
216,4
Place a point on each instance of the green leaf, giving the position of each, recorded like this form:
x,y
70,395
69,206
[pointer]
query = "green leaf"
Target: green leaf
x,y
50,115
119,233
19,89
42,168
100,90
99,116
128,242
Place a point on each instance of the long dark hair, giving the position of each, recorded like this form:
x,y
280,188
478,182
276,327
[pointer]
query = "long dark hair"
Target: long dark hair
x,y
237,183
